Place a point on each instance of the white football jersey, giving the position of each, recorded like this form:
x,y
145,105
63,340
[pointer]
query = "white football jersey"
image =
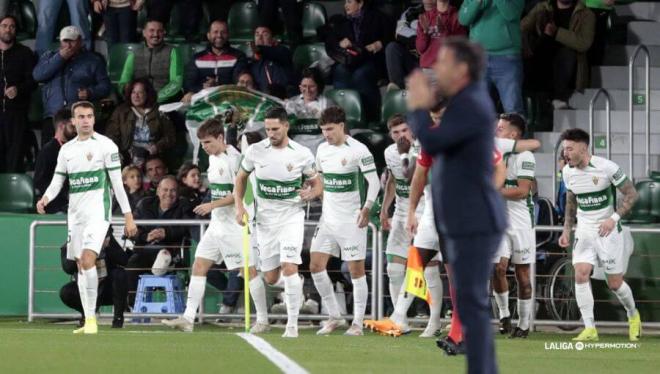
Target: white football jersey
x,y
221,174
401,185
341,167
594,189
279,174
520,166
86,164
505,146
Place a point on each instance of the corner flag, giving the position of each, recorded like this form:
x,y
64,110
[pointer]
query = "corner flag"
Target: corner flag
x,y
415,281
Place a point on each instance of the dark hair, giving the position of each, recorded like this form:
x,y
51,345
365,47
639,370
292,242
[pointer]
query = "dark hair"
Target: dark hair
x,y
185,169
467,52
332,114
150,93
62,115
576,135
153,157
218,20
81,104
277,112
516,120
150,20
211,127
396,120
315,75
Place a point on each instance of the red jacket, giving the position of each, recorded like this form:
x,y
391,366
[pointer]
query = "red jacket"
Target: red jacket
x,y
441,25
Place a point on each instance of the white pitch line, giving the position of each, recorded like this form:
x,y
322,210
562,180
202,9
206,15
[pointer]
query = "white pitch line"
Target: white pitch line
x,y
284,363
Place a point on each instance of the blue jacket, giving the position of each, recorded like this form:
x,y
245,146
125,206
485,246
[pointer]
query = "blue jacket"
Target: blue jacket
x,y
61,79
465,202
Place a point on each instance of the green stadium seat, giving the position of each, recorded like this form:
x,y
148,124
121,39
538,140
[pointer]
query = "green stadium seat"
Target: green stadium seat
x,y
187,51
174,34
26,16
306,54
349,100
654,188
642,210
243,47
36,110
655,175
243,18
393,102
116,59
313,16
16,193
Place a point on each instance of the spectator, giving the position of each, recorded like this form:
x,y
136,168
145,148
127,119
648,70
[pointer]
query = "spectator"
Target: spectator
x,y
131,177
151,240
47,17
155,170
191,189
138,128
112,279
69,74
273,62
558,34
156,61
495,25
356,42
16,83
217,65
190,15
307,107
401,55
435,25
44,167
292,12
246,80
119,19
602,10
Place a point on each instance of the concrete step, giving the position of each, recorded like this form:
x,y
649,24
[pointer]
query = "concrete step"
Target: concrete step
x,y
639,10
567,119
548,140
643,32
619,55
619,99
616,77
618,141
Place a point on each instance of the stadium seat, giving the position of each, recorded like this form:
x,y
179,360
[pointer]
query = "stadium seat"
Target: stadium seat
x,y
313,16
306,54
16,193
654,188
642,210
116,59
26,16
36,110
393,102
655,175
243,19
187,51
349,100
243,47
174,34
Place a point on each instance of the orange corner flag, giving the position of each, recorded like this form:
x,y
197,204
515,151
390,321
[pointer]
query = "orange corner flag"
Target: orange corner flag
x,y
415,281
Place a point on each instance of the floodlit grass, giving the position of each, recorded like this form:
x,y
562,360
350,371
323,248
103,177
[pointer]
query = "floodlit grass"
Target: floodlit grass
x,y
49,348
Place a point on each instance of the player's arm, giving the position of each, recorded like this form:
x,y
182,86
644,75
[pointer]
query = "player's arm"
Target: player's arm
x,y
388,198
312,188
372,194
206,208
570,218
519,192
55,186
499,174
523,145
113,167
240,184
417,184
630,196
626,187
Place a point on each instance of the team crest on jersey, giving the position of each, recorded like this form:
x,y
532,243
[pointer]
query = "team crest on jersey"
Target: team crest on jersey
x,y
595,180
221,171
89,156
343,162
289,167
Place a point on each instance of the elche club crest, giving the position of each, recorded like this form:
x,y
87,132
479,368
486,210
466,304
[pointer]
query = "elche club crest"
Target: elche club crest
x,y
89,156
343,162
221,171
289,167
595,180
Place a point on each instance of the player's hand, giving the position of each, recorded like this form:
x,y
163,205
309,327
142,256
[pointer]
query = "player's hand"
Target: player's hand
x,y
306,193
240,213
411,225
420,94
565,239
209,82
130,229
606,227
41,205
363,218
345,43
11,92
187,98
385,222
203,209
403,145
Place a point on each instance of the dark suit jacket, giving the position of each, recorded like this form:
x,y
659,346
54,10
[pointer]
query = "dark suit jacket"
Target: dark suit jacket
x,y
464,199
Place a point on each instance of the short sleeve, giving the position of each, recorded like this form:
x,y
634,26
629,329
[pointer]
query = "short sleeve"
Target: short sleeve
x,y
526,165
564,176
308,167
424,159
505,145
247,163
111,157
615,173
389,161
366,161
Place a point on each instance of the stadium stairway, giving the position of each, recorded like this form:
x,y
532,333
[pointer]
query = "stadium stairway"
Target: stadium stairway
x,y
636,23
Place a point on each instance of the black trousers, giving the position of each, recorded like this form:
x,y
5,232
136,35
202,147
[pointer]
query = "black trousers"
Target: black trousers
x,y
292,12
552,69
112,291
12,141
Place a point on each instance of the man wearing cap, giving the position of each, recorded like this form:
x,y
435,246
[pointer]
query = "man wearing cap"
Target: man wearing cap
x,y
69,74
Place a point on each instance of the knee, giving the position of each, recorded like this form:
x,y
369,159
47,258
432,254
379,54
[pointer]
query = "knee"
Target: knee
x,y
614,284
500,271
316,267
271,277
289,269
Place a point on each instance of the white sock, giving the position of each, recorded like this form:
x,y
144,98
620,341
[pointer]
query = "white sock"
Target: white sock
x,y
82,291
585,301
403,302
397,274
324,287
196,289
292,292
434,284
258,293
625,296
91,291
502,300
524,313
360,296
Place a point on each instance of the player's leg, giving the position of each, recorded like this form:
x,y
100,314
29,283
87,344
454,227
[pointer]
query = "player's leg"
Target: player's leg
x,y
456,328
501,285
318,267
396,273
397,254
292,292
623,292
360,296
258,294
434,285
584,259
196,288
525,302
93,236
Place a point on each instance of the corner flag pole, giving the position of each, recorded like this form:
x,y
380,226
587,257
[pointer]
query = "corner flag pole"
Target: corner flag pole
x,y
246,272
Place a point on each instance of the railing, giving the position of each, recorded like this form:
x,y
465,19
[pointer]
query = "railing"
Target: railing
x,y
608,123
631,108
555,174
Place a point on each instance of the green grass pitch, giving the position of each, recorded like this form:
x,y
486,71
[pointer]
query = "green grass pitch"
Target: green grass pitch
x,y
48,348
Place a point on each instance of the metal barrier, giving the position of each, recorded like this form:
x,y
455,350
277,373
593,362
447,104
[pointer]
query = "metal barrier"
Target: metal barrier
x,y
608,123
202,224
631,108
